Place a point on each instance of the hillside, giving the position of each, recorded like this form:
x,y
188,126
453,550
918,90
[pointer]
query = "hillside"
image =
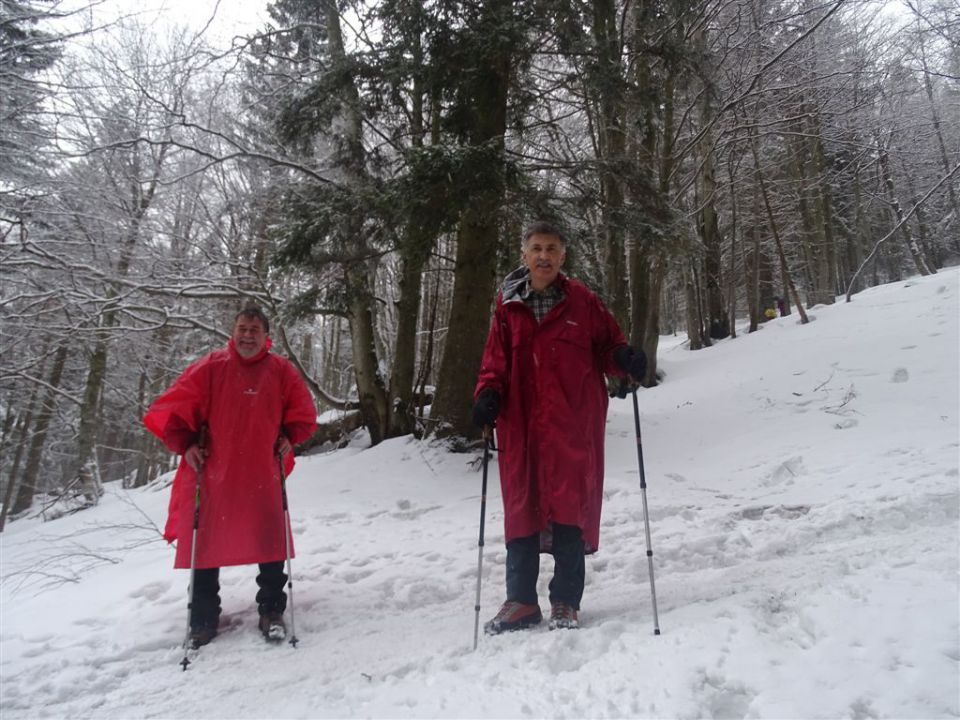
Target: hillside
x,y
803,492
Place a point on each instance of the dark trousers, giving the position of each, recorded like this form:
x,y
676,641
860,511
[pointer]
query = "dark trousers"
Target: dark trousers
x,y
205,607
523,567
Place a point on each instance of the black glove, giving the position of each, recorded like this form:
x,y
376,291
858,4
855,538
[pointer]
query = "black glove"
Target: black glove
x,y
633,362
486,408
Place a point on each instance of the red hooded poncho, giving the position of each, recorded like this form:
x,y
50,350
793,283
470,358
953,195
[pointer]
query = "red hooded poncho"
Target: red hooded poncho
x,y
550,378
246,404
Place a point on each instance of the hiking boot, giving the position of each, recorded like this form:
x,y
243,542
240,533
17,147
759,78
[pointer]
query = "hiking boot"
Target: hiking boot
x,y
273,627
202,634
513,616
562,616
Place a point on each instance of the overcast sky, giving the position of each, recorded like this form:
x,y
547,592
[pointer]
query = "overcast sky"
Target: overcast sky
x,y
224,18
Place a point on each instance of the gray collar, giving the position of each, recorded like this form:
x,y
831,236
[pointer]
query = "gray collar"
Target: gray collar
x,y
514,285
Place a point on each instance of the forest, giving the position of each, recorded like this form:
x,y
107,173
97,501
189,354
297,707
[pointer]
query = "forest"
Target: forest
x,y
364,172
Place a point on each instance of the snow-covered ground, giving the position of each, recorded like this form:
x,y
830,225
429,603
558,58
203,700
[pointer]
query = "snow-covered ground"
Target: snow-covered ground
x,y
803,492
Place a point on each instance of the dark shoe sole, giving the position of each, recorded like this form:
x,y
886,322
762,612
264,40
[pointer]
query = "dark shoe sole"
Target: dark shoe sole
x,y
199,639
497,628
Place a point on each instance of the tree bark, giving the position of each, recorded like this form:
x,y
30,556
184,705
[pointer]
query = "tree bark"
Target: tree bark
x,y
41,426
916,255
477,237
612,144
371,391
774,231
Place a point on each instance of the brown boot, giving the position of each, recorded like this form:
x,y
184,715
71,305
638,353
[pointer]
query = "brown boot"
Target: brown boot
x,y
200,635
273,627
563,616
513,616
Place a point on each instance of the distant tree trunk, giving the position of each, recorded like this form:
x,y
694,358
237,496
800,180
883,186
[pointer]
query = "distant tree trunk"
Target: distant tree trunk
x,y
651,336
857,245
751,265
827,267
41,426
426,367
938,131
89,420
789,287
22,428
734,229
357,275
401,404
694,323
372,394
717,323
417,241
929,250
918,260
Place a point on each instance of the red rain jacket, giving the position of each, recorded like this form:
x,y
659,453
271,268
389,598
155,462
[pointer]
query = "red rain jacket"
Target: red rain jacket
x,y
246,403
553,407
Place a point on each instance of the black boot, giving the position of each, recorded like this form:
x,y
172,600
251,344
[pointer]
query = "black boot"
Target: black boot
x,y
205,606
272,601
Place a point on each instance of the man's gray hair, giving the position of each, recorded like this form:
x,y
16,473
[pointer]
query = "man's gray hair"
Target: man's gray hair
x,y
542,227
253,312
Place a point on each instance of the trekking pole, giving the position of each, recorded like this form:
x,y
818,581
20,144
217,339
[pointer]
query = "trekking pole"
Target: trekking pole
x,y
646,514
286,539
202,444
487,445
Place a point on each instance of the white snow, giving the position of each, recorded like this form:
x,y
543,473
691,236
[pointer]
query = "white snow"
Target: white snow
x,y
803,493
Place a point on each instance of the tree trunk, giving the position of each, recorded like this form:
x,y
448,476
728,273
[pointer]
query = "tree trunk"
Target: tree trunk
x,y
41,425
694,325
414,256
790,288
21,428
612,144
734,229
477,238
827,267
415,247
469,320
651,336
918,260
647,261
372,393
942,146
751,269
717,323
426,367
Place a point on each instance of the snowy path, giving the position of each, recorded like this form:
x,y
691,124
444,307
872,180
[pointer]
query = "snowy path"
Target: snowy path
x,y
803,488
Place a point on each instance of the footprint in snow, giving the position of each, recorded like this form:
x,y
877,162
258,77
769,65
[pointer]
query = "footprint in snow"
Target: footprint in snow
x,y
900,375
723,698
845,424
786,472
151,591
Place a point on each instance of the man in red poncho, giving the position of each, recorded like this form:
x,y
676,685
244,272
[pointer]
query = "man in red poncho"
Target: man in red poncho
x,y
542,381
250,407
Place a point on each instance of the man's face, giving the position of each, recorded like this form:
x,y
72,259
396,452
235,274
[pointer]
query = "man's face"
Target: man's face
x,y
249,337
543,256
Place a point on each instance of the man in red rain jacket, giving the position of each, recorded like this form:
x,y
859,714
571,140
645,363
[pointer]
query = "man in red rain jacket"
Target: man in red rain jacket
x,y
255,407
542,381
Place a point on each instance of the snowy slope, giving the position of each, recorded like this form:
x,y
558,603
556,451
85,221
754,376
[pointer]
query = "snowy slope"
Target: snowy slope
x,y
803,491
